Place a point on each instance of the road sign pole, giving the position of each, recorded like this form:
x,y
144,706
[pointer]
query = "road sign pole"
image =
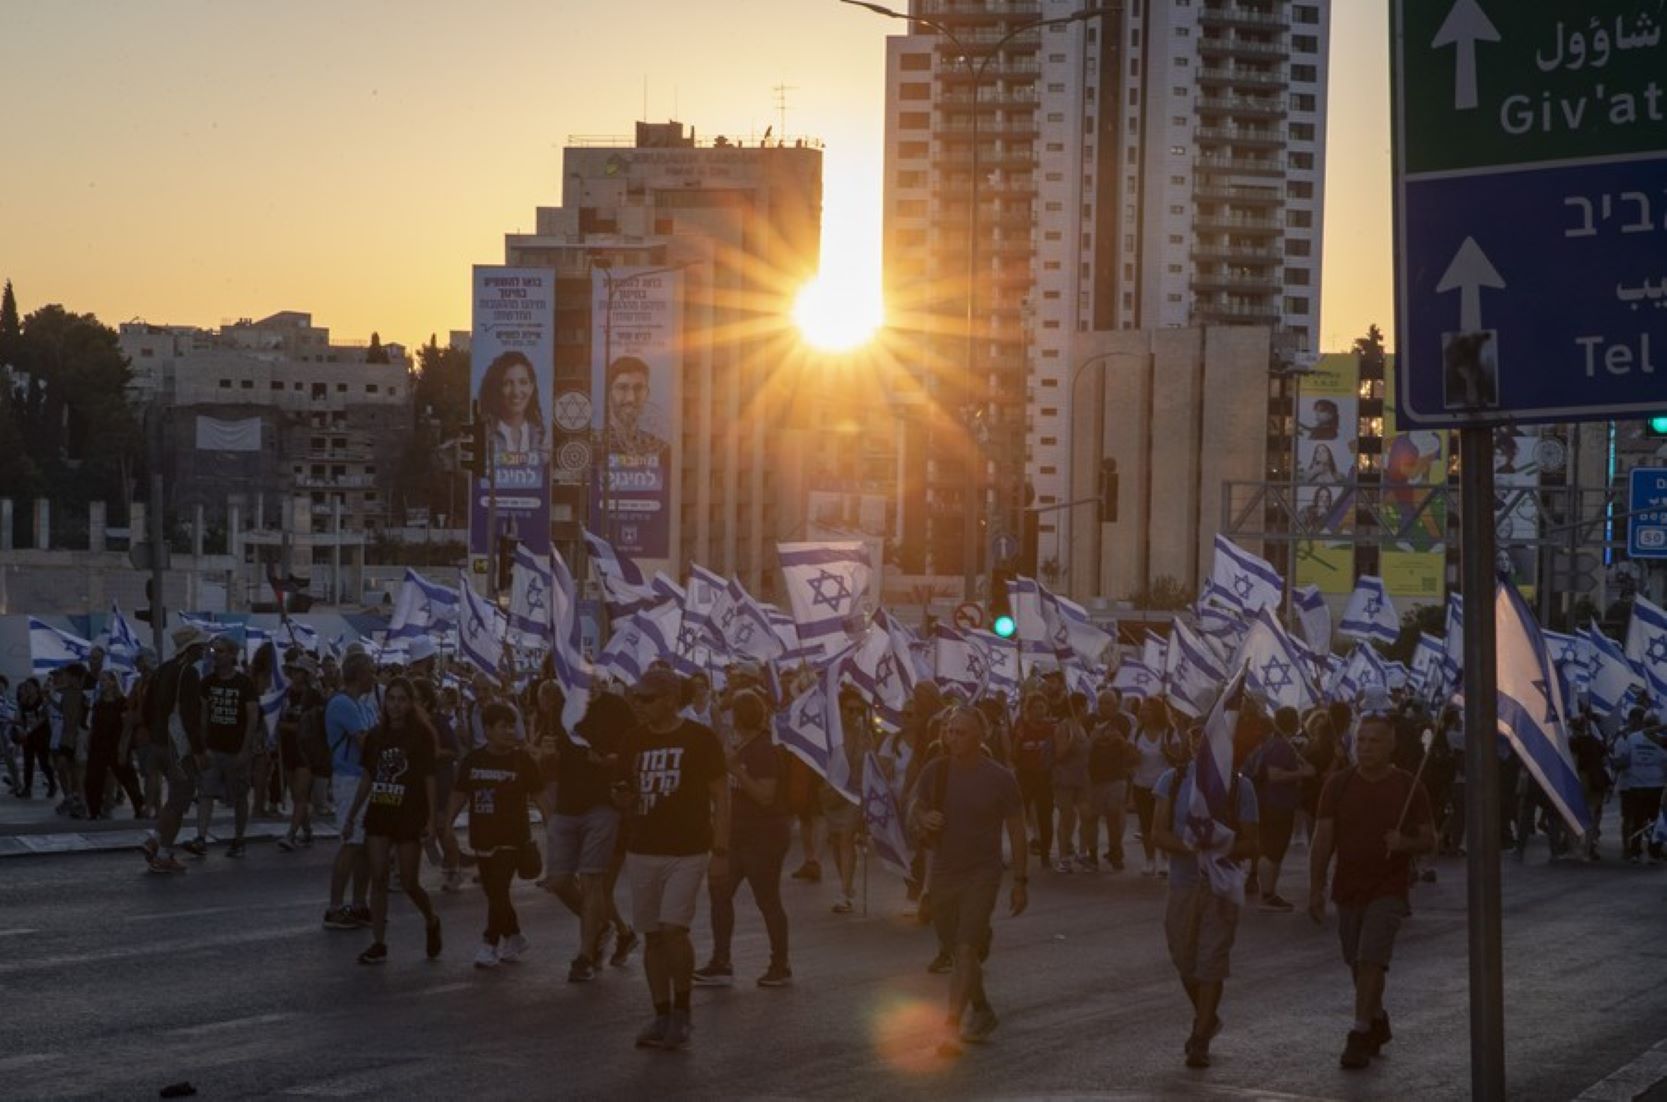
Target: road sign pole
x,y
1481,766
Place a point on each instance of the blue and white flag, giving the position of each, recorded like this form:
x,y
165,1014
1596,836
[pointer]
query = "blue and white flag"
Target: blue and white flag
x,y
1154,651
957,661
1363,669
1073,633
1246,581
1273,667
1452,651
293,633
1206,829
1370,614
1024,597
1001,662
1646,645
810,729
254,638
741,628
1191,671
1426,664
480,631
423,608
531,619
1612,675
624,589
124,641
886,835
51,649
1532,714
826,582
700,595
1314,617
882,668
272,701
567,656
1137,680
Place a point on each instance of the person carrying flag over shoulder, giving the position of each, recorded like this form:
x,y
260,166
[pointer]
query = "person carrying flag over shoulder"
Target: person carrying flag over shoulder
x,y
1373,817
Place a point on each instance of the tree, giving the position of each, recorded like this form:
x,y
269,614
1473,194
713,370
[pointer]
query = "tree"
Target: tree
x,y
11,329
440,412
375,353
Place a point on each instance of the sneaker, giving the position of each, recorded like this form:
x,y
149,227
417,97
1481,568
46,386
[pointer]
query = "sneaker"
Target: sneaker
x,y
942,964
236,849
196,847
777,975
678,1030
306,836
1150,869
451,880
1277,904
376,954
654,1035
1088,863
288,844
149,847
810,871
361,917
980,1025
1063,865
583,970
844,906
486,956
158,863
1198,1052
1035,848
1163,874
623,944
432,943
341,918
911,908
1116,865
1357,1051
514,948
1380,1033
715,974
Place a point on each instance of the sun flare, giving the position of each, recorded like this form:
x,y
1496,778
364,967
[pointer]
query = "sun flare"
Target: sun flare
x,y
837,312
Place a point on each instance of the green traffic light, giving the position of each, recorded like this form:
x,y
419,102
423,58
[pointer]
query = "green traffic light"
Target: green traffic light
x,y
1005,627
1658,425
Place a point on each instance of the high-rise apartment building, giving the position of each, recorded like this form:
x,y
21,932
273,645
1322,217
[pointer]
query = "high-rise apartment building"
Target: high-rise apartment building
x,y
1158,166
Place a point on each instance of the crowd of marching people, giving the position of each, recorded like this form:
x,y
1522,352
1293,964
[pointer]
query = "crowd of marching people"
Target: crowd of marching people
x,y
684,791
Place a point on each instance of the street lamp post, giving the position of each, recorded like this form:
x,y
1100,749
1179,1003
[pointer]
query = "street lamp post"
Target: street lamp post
x,y
976,72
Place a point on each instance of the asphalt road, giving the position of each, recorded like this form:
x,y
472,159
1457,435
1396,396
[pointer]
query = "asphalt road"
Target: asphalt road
x,y
117,983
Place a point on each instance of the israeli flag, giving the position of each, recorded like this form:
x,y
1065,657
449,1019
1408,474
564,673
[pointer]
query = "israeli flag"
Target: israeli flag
x,y
1313,617
1531,709
1206,831
423,608
1370,614
254,639
1001,661
1073,633
1024,596
882,668
700,596
1612,677
957,661
572,671
1154,651
1273,668
1191,671
1452,651
624,589
1137,680
294,633
124,641
272,701
1082,678
1243,579
810,729
886,835
51,649
531,618
825,583
480,631
742,627
1646,645
786,631
1426,664
1364,669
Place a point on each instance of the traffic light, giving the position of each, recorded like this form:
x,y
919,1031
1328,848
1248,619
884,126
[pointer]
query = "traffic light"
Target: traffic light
x,y
1108,491
1001,609
1656,426
147,614
473,448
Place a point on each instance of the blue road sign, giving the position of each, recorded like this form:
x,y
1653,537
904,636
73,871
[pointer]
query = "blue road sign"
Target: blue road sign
x,y
1646,529
1531,210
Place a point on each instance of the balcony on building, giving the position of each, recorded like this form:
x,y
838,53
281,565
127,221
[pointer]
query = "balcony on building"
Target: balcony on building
x,y
1231,280
1235,311
1238,163
1229,15
1239,45
1245,137
1256,107
1238,195
1222,249
1241,76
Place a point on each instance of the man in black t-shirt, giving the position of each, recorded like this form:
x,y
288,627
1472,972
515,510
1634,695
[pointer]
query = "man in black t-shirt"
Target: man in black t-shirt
x,y
229,716
678,790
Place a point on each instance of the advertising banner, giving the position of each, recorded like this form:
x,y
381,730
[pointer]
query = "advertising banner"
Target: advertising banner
x,y
511,378
1415,564
1328,428
636,342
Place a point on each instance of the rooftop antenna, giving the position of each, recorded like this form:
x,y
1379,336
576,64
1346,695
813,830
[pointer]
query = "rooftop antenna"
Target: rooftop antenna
x,y
781,91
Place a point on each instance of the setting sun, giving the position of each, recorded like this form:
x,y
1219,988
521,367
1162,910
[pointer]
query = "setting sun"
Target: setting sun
x,y
837,312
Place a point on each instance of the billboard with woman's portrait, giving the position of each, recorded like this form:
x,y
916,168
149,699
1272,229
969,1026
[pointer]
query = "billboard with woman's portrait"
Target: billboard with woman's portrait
x,y
512,377
1328,435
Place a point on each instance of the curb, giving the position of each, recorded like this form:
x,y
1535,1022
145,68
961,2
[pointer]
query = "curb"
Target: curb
x,y
1634,1080
117,841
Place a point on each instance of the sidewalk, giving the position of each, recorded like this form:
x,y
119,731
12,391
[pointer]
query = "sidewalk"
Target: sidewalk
x,y
29,828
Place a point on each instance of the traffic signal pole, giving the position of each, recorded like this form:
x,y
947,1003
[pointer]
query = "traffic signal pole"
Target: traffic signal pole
x,y
493,537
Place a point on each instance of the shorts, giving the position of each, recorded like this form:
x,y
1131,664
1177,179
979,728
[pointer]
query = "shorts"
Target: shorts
x,y
226,778
843,816
1199,927
961,908
581,845
1368,932
183,777
664,889
1274,833
342,791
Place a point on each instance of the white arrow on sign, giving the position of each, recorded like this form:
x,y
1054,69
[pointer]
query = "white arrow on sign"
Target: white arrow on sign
x,y
1466,25
1470,271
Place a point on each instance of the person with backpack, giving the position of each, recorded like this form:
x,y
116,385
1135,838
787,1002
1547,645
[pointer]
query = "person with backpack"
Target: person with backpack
x,y
759,837
1111,762
1373,817
303,749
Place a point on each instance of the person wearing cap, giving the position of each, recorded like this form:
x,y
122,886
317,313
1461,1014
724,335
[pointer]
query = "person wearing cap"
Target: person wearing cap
x,y
175,717
677,798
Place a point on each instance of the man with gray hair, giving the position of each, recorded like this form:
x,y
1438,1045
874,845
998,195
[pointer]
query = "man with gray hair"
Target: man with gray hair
x,y
348,717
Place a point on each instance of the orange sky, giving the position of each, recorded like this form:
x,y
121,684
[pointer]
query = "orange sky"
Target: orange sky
x,y
191,162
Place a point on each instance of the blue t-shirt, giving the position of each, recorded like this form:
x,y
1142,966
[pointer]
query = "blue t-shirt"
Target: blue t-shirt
x,y
1183,870
1275,753
344,720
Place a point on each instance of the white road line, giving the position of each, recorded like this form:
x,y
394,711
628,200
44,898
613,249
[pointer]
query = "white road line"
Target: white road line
x,y
19,932
228,1024
445,988
160,950
203,912
1631,1080
30,1059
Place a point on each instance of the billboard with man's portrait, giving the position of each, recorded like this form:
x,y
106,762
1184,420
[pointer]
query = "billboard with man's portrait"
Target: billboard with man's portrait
x,y
512,378
636,327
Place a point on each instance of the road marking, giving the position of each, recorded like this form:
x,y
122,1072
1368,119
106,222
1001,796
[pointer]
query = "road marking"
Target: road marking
x,y
444,988
203,912
12,1063
160,951
1631,1080
230,1023
19,932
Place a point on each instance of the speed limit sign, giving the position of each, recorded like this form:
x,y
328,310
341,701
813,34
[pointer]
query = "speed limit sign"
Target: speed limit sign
x,y
969,616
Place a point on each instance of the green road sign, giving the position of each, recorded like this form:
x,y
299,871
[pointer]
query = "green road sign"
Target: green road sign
x,y
1521,82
